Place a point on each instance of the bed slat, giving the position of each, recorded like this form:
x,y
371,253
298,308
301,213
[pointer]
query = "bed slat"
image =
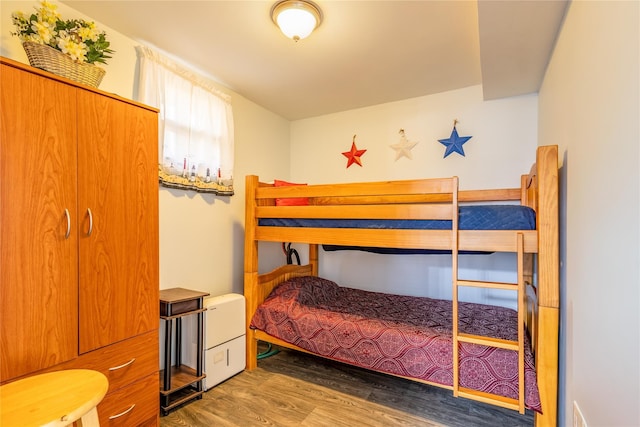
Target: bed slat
x,y
412,212
469,240
372,189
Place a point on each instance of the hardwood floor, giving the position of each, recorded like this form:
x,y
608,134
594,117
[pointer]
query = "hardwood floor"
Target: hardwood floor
x,y
295,389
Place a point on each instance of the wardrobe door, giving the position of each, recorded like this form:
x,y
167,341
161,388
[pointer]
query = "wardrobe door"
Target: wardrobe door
x,y
118,214
38,238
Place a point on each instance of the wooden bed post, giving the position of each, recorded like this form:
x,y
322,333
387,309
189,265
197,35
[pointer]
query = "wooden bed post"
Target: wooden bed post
x,y
250,267
548,284
313,258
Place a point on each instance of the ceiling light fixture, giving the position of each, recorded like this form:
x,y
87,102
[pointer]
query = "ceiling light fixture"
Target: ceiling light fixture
x,y
296,18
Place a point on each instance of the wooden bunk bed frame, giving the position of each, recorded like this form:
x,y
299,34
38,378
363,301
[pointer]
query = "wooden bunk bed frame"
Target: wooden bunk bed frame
x,y
538,308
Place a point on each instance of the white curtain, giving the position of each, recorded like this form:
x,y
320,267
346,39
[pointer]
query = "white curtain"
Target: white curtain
x,y
195,125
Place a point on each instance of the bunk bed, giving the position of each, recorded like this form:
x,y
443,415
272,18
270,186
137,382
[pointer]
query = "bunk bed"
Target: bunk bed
x,y
317,216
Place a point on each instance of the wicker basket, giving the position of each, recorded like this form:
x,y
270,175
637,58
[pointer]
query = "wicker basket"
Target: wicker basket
x,y
52,60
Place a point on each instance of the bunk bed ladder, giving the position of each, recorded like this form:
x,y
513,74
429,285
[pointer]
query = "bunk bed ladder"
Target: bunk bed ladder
x,y
518,346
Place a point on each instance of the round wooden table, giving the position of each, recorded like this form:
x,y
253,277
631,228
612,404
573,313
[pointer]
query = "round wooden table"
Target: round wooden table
x,y
53,399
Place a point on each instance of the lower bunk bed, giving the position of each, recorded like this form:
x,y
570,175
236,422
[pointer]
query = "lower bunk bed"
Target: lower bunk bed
x,y
400,335
491,354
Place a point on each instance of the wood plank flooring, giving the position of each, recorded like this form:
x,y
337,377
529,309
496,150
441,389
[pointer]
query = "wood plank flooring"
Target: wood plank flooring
x,y
295,389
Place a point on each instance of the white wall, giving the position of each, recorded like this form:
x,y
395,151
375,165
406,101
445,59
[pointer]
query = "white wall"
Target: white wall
x,y
201,236
589,107
502,147
504,134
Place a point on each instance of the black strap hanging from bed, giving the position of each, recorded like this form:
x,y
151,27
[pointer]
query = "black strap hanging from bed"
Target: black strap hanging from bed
x,y
290,253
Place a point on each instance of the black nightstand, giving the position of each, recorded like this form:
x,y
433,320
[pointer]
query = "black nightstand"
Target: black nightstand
x,y
180,383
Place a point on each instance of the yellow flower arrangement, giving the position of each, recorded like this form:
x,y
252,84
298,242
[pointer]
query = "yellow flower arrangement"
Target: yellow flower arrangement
x,y
79,39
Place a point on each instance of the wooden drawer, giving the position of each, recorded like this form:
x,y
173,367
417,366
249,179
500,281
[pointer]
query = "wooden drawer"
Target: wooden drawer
x,y
126,361
134,405
122,363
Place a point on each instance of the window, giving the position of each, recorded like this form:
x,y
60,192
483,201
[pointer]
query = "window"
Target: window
x,y
195,147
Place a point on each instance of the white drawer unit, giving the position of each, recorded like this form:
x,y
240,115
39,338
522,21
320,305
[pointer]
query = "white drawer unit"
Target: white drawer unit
x,y
224,338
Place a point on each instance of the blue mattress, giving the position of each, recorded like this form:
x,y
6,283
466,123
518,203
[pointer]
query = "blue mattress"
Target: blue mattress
x,y
472,217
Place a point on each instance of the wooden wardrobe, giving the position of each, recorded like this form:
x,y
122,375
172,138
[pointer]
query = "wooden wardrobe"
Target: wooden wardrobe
x,y
79,238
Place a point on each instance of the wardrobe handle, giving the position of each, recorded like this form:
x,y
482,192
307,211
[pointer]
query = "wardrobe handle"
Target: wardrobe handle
x,y
113,417
68,216
90,222
124,365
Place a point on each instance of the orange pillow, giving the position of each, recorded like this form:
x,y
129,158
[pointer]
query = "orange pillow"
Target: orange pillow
x,y
294,201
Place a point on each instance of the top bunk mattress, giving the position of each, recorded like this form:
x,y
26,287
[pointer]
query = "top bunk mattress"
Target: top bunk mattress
x,y
471,217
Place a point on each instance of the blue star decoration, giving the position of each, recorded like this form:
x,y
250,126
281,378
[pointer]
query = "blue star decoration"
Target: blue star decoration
x,y
454,142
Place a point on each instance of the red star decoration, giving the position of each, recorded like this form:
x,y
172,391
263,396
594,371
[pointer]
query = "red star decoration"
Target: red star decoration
x,y
354,154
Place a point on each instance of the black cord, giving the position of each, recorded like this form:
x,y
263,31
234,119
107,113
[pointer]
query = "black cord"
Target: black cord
x,y
290,253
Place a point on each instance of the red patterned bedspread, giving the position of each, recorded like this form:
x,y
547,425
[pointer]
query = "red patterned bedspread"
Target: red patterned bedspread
x,y
402,335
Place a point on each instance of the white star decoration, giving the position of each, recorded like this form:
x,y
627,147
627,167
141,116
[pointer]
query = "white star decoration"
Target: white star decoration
x,y
404,147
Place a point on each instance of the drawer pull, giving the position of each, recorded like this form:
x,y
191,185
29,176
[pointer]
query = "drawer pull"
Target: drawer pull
x,y
90,222
124,365
113,417
66,214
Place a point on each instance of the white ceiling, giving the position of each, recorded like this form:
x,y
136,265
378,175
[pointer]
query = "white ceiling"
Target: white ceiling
x,y
364,53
